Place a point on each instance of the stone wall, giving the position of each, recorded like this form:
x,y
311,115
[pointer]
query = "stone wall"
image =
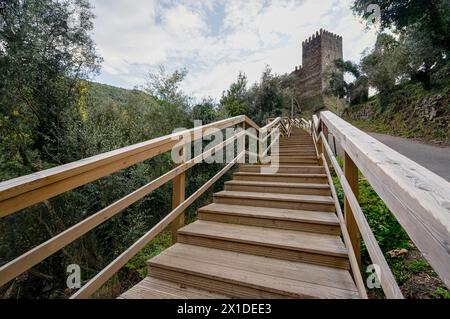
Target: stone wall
x,y
319,53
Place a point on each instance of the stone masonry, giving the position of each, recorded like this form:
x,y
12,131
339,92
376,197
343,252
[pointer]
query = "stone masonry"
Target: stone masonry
x,y
319,53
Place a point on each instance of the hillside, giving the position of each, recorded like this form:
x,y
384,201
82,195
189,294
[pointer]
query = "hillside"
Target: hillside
x,y
105,94
411,112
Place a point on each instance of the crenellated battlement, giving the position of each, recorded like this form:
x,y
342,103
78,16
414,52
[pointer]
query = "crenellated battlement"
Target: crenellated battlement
x,y
319,51
319,34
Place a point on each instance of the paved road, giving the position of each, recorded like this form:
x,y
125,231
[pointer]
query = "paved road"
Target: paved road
x,y
436,159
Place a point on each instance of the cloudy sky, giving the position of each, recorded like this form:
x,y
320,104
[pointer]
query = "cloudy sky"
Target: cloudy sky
x,y
215,39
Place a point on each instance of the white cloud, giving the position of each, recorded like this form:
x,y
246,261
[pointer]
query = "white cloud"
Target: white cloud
x,y
215,40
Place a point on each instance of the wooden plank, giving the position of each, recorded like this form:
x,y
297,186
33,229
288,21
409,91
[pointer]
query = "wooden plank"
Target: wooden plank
x,y
277,187
322,244
265,251
81,172
354,264
280,197
418,198
178,196
92,285
281,177
26,199
383,271
153,288
285,169
285,201
296,271
351,174
44,250
256,220
323,218
289,278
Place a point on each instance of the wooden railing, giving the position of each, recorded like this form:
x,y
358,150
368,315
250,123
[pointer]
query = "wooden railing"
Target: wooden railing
x,y
418,198
25,191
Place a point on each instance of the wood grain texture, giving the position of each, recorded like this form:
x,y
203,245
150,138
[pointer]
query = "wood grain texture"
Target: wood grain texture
x,y
351,174
294,279
92,285
21,192
354,264
44,250
383,271
418,198
153,288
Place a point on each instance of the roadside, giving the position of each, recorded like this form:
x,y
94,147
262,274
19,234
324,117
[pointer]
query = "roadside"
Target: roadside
x,y
434,158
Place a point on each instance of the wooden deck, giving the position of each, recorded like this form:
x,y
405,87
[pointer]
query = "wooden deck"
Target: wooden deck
x,y
264,236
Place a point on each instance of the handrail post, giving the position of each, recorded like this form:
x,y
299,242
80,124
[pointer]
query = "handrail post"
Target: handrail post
x,y
178,196
325,133
241,145
351,174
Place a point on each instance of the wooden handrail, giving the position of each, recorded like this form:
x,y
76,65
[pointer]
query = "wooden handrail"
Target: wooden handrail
x,y
351,254
383,271
418,198
22,192
90,287
27,190
387,280
269,126
46,249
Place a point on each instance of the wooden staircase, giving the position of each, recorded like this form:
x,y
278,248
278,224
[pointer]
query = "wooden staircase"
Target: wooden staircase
x,y
264,236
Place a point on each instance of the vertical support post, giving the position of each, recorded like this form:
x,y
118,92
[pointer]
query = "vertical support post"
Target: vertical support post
x,y
325,133
351,174
178,196
241,145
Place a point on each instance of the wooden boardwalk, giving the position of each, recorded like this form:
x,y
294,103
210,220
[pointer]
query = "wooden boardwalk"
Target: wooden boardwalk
x,y
264,236
279,234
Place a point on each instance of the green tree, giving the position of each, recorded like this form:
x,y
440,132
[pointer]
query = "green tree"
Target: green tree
x,y
45,53
233,101
205,111
355,91
431,17
268,97
423,29
382,65
45,49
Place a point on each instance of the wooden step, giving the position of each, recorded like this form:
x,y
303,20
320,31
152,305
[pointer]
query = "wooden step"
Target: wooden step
x,y
289,159
297,144
296,152
281,177
154,288
241,275
286,201
306,145
291,150
314,248
311,221
286,169
277,187
298,158
293,165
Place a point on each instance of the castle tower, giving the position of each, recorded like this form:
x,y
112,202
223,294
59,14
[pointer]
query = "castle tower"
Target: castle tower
x,y
319,53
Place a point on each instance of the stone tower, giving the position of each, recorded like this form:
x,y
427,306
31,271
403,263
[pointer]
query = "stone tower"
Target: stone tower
x,y
319,53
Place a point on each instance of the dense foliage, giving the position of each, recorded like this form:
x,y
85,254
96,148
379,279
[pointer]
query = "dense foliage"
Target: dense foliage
x,y
50,114
413,46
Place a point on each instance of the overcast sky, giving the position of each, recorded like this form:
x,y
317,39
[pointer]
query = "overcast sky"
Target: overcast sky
x,y
215,39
